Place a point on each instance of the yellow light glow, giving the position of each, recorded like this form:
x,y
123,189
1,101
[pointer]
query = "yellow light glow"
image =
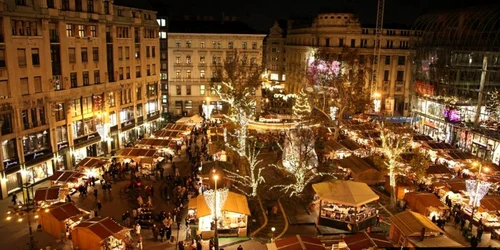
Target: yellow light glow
x,y
475,164
46,210
9,218
377,95
36,216
20,220
486,169
216,177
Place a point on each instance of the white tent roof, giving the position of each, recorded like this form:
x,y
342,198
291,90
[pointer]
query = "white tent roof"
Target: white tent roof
x,y
348,193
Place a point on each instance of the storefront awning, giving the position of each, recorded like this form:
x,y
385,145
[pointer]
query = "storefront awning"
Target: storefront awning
x,y
366,240
137,152
350,144
66,176
178,127
348,193
459,155
235,203
439,146
48,193
491,202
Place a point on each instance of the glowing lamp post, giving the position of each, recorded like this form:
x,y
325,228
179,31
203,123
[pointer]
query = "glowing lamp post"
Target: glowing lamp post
x,y
377,102
272,233
216,235
477,190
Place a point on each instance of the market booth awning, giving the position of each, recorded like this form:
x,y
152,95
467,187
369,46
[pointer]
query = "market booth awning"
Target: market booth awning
x,y
411,223
91,162
136,152
91,234
53,218
296,242
366,240
491,202
156,143
235,203
66,176
166,134
50,194
348,193
422,202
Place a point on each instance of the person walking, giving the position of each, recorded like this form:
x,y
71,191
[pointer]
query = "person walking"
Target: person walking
x,y
99,205
137,229
161,233
14,199
240,247
95,192
154,229
139,242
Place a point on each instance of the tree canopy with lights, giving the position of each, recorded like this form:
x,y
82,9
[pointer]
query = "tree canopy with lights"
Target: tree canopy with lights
x,y
301,107
236,82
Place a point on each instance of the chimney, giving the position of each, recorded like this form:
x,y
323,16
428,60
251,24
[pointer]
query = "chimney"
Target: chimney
x,y
422,234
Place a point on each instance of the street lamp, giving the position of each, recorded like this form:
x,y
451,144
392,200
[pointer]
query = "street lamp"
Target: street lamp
x,y
216,235
25,209
478,188
272,234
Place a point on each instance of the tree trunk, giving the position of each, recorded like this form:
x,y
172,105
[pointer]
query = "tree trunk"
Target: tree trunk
x,y
392,183
242,137
339,120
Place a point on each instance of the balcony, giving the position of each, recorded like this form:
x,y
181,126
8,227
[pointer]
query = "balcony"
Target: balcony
x,y
204,65
183,65
57,82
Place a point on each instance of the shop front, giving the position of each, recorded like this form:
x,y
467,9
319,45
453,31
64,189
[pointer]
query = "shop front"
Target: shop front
x,y
11,180
63,156
38,166
88,146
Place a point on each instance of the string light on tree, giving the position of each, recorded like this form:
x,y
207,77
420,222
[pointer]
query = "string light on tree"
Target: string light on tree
x,y
301,107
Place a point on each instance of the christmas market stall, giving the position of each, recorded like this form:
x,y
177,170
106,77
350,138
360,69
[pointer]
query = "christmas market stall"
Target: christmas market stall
x,y
231,209
414,230
334,150
355,148
164,145
345,205
365,240
93,167
361,170
48,195
427,204
100,234
67,178
296,242
59,218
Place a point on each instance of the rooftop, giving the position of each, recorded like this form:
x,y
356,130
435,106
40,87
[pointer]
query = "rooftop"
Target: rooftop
x,y
210,27
134,4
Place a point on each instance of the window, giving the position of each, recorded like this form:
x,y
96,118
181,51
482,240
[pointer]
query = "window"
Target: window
x,y
21,2
253,61
403,44
163,66
164,99
138,93
230,45
120,73
73,80
178,59
202,74
95,54
177,44
97,77
353,43
120,53
26,121
401,60
386,75
202,89
78,5
90,6
400,75
163,34
364,43
188,44
65,5
86,81
389,44
120,12
163,55
24,86
178,90
127,73
37,80
148,70
111,99
34,118
106,7
202,45
163,76
188,104
178,74
127,52
274,50
202,59
188,74
81,31
254,45
122,32
70,30
387,60
93,30
137,51
244,45
35,57
162,22
60,111
188,89
147,52
137,71
72,55
178,104
2,58
153,51
341,42
84,53
21,57
188,59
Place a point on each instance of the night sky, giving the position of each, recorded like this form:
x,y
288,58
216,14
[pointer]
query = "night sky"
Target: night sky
x,y
261,14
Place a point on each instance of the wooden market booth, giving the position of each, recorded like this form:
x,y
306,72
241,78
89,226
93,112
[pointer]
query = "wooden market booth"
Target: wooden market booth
x,y
233,215
99,234
427,204
92,167
343,205
295,243
361,170
49,195
365,240
146,158
411,229
55,218
70,179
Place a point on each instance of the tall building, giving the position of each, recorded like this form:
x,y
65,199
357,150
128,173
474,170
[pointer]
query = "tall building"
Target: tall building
x,y
195,48
77,79
274,52
457,66
334,31
163,23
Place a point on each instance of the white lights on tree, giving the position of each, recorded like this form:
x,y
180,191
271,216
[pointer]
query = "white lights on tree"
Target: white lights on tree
x,y
252,177
333,113
285,97
221,200
477,190
301,107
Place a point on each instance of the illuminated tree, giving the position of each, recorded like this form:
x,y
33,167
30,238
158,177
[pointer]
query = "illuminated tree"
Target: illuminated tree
x,y
493,105
301,107
236,82
338,80
251,176
300,162
419,165
393,146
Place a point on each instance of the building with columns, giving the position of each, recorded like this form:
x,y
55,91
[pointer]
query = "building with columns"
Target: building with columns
x,y
333,31
195,47
77,79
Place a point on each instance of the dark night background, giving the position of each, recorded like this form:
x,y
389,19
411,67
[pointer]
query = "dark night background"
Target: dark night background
x,y
261,14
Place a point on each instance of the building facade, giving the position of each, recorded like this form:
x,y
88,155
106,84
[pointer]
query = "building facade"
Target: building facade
x,y
274,53
334,31
195,49
77,79
163,23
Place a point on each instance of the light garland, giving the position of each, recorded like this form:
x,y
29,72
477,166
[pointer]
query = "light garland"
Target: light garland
x,y
285,97
301,106
474,187
221,200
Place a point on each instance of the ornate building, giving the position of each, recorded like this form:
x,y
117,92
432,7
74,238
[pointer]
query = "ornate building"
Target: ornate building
x,y
195,48
333,32
77,79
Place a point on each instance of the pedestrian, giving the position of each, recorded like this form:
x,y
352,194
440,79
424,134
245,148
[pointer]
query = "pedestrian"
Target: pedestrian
x,y
14,199
154,229
181,245
161,233
99,205
168,231
240,247
480,231
109,187
473,241
139,242
68,198
96,213
137,229
275,210
95,193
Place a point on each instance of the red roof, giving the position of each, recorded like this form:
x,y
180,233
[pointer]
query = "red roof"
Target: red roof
x,y
65,176
366,240
299,243
137,152
47,193
91,162
102,227
63,211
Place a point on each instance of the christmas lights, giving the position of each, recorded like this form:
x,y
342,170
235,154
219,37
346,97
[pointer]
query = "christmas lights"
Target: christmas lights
x,y
221,200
